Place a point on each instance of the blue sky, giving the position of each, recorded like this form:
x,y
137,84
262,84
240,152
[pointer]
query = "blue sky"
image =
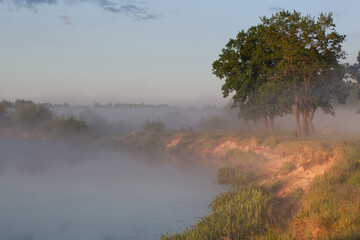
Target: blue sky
x,y
157,51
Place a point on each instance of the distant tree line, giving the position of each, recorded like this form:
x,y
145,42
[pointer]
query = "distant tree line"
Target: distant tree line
x,y
27,115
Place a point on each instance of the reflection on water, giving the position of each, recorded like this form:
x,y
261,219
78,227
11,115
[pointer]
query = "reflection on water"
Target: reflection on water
x,y
52,191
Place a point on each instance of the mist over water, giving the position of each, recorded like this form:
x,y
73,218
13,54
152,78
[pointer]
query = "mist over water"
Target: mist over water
x,y
58,191
130,118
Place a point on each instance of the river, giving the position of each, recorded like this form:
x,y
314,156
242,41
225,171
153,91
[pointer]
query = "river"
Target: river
x,y
53,191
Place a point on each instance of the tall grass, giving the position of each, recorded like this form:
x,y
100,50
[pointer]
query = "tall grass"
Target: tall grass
x,y
234,176
331,209
239,214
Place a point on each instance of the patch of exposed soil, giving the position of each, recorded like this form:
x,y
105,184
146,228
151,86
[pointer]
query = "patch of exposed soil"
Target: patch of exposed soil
x,y
308,160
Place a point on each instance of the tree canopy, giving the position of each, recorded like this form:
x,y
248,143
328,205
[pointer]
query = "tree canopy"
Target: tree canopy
x,y
288,63
29,114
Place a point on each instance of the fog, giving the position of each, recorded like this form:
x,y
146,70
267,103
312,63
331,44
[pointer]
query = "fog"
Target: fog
x,y
61,191
345,121
64,188
124,119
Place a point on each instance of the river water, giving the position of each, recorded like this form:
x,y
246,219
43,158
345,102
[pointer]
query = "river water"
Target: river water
x,y
57,191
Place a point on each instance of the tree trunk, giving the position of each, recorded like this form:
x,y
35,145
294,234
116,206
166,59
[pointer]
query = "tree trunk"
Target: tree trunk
x,y
310,117
297,117
265,123
305,127
310,124
271,123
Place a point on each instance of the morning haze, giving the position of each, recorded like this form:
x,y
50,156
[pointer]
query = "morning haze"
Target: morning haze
x,y
123,119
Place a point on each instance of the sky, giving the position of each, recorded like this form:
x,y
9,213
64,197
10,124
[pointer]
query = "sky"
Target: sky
x,y
155,52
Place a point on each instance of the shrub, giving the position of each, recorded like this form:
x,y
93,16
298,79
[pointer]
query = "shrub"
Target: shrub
x,y
155,126
29,114
70,127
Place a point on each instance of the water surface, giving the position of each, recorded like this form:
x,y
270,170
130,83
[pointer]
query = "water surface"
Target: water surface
x,y
58,191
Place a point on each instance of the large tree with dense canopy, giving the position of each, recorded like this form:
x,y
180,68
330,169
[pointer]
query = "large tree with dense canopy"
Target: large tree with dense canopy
x,y
289,63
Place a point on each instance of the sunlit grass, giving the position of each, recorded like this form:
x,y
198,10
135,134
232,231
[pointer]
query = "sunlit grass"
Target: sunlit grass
x,y
239,214
332,207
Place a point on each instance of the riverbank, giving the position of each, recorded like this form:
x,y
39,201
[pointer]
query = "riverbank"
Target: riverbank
x,y
283,187
294,163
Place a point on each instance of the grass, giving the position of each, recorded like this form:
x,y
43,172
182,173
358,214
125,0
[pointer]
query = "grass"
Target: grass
x,y
249,211
331,209
234,176
288,167
239,214
249,159
146,141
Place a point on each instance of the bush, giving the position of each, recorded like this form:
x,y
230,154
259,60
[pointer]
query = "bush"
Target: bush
x,y
29,114
70,127
155,126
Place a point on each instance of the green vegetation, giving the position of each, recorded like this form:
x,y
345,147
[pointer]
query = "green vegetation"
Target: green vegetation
x,y
331,209
288,167
70,127
28,119
354,70
247,212
234,176
146,141
239,214
29,114
2,108
155,126
286,64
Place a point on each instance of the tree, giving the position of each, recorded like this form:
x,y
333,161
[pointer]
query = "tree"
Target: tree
x,y
29,114
70,127
288,63
247,65
354,70
2,108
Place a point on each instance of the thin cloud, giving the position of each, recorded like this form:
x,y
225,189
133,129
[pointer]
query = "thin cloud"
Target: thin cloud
x,y
150,17
126,9
130,8
133,9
